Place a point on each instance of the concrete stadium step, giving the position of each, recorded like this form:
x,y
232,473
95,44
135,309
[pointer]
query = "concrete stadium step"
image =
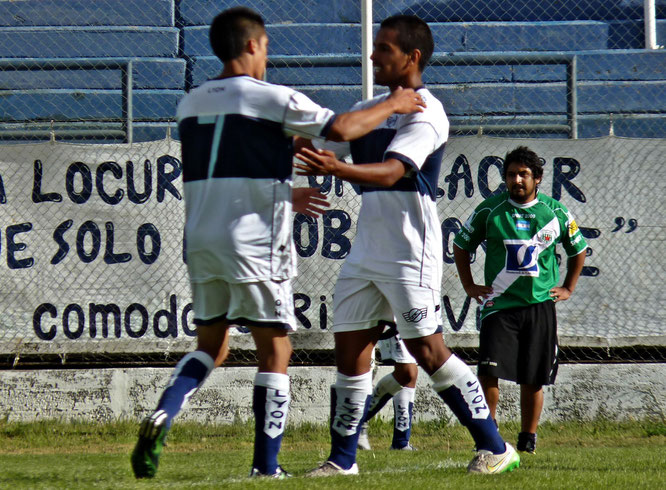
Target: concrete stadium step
x,y
88,42
95,105
148,73
201,12
318,39
86,13
589,125
297,39
611,65
519,98
90,132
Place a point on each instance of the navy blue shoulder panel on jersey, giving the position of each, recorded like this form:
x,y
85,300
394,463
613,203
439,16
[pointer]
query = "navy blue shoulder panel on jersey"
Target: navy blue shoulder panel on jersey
x,y
371,149
248,147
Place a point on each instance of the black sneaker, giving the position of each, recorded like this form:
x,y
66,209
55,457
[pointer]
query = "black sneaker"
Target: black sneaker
x,y
527,442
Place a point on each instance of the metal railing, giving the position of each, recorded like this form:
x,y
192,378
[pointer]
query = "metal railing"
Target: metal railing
x,y
472,59
124,66
494,59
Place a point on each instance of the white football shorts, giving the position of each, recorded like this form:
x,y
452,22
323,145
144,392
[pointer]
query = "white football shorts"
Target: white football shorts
x,y
265,303
359,304
395,349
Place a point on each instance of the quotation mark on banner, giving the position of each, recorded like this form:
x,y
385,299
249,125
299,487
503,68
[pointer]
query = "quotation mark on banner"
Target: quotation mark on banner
x,y
620,222
590,234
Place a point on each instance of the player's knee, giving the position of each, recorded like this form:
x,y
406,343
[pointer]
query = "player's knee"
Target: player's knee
x,y
281,346
286,354
406,374
488,381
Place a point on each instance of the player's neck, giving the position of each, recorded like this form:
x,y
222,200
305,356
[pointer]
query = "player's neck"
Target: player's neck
x,y
413,81
237,67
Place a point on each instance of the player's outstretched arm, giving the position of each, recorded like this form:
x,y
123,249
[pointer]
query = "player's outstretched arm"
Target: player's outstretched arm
x,y
352,125
473,290
323,162
574,268
309,201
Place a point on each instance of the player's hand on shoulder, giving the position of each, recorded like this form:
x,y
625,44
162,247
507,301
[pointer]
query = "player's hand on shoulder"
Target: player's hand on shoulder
x,y
309,201
406,101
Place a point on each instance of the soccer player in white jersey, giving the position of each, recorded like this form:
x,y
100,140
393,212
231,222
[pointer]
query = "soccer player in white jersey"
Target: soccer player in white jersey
x,y
394,270
237,148
518,338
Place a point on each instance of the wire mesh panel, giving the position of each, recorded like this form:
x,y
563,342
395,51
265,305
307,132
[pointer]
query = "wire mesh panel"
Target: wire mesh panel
x,y
50,88
91,235
620,85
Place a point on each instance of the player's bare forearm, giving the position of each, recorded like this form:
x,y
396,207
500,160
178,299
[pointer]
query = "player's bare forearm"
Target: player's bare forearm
x,y
462,260
321,162
352,125
473,290
381,174
574,268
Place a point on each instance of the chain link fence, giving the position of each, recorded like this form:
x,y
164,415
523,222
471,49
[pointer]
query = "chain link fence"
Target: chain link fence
x,y
91,199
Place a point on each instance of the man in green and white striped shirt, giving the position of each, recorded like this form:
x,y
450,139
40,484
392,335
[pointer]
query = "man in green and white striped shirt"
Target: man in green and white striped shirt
x,y
518,338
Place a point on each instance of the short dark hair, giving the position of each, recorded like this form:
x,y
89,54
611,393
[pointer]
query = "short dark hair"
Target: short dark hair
x,y
527,157
413,33
231,29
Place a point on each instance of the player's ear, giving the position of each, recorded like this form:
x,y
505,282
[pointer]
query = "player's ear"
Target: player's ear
x,y
251,45
415,57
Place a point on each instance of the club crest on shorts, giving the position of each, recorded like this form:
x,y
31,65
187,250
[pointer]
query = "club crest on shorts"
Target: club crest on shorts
x,y
415,315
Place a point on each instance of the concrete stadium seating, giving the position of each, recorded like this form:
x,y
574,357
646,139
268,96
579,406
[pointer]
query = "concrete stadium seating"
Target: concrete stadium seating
x,y
198,12
168,39
88,42
313,39
19,13
149,105
148,73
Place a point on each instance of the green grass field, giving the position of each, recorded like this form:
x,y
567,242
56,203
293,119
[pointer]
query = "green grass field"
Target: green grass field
x,y
601,454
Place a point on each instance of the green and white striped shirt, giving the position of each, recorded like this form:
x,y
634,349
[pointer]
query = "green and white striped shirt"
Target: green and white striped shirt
x,y
520,239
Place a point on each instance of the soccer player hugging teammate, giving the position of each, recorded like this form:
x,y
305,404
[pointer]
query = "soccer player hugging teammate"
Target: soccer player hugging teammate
x,y
237,149
393,273
518,338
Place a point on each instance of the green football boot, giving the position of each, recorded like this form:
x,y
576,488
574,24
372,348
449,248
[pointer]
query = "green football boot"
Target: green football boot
x,y
146,455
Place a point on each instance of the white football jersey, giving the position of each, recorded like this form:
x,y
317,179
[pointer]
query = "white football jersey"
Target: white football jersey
x,y
237,151
398,236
